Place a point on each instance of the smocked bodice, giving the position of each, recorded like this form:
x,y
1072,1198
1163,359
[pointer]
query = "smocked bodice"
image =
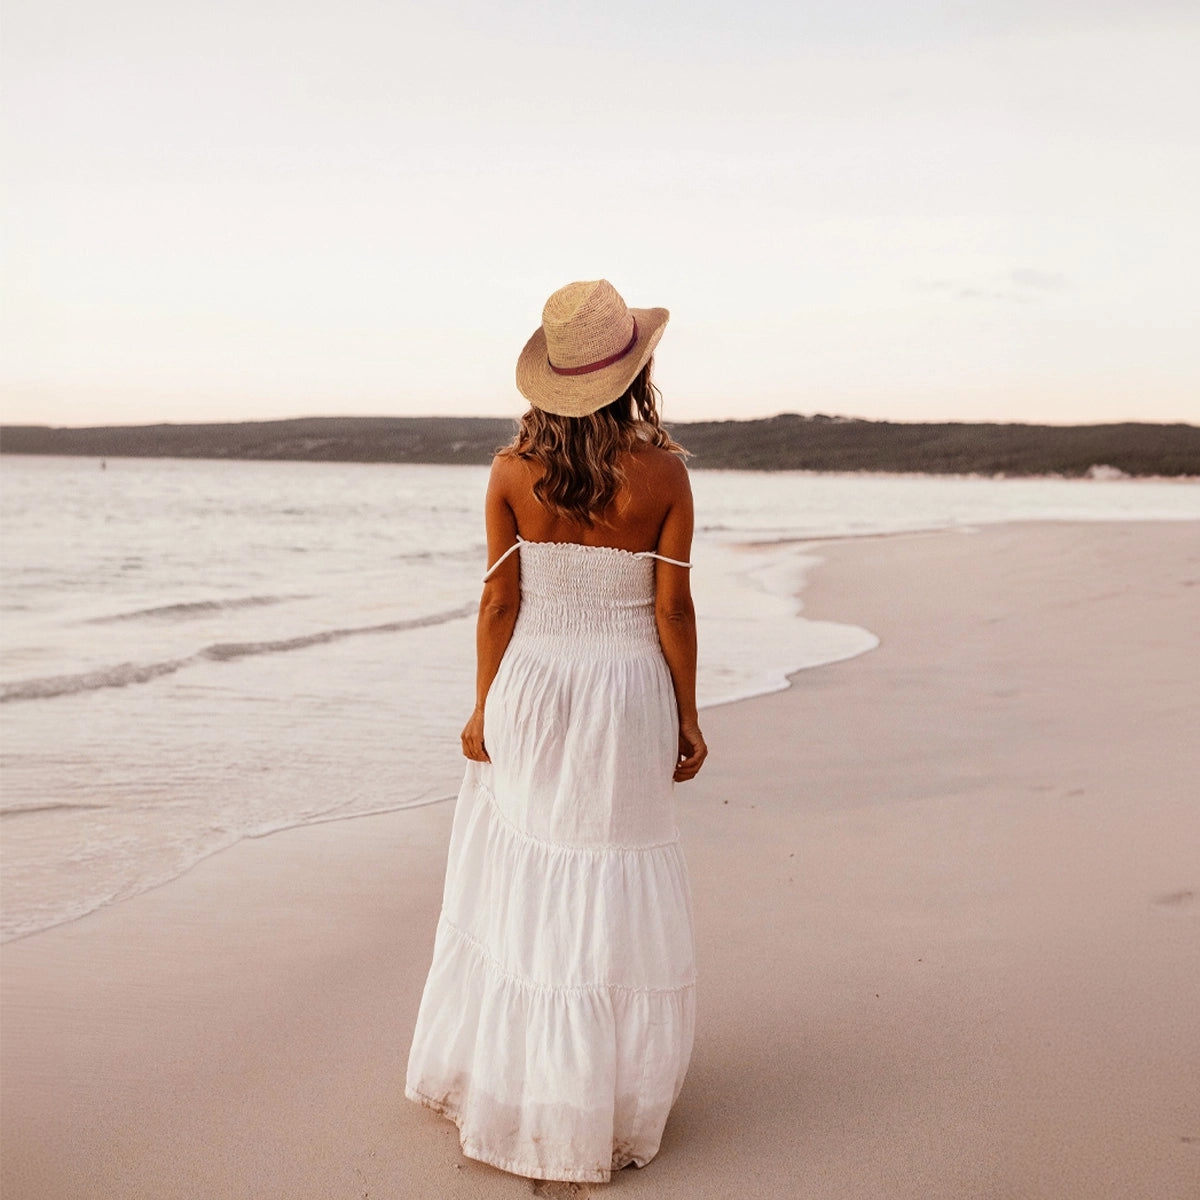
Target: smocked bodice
x,y
595,576
586,599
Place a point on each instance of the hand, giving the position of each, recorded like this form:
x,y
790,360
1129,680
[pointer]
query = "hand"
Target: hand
x,y
692,751
472,738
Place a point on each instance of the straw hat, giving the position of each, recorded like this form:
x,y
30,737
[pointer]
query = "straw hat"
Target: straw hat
x,y
589,349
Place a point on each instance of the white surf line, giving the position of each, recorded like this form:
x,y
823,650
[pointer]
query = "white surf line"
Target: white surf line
x,y
304,822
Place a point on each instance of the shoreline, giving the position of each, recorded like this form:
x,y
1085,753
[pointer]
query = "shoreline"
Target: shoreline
x,y
789,680
763,686
251,836
947,936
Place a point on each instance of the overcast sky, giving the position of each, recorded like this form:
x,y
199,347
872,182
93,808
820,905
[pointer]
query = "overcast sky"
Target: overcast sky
x,y
931,209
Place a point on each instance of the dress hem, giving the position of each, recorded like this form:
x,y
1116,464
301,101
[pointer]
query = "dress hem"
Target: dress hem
x,y
473,1151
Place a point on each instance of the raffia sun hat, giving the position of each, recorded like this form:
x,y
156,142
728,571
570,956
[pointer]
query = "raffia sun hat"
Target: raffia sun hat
x,y
589,349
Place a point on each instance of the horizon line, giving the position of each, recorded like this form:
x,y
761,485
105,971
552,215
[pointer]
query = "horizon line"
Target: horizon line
x,y
815,416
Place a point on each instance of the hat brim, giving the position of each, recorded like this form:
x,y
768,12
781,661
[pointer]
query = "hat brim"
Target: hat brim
x,y
578,395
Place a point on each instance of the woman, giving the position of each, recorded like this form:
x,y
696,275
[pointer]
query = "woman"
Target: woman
x,y
556,1024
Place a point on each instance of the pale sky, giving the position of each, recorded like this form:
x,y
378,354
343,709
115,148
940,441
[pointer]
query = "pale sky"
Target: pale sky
x,y
982,209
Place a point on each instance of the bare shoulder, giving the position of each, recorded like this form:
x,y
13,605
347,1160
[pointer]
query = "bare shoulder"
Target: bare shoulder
x,y
507,471
664,470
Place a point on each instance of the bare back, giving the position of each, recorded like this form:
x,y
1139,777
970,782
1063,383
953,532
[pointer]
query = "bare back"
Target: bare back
x,y
656,489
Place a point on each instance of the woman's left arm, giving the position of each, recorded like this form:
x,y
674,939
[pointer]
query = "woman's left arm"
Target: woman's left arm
x,y
499,604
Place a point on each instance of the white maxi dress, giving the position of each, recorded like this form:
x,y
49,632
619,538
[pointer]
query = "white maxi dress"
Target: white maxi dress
x,y
557,1019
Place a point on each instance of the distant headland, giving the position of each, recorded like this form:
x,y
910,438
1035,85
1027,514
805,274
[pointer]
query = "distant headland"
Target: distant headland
x,y
786,442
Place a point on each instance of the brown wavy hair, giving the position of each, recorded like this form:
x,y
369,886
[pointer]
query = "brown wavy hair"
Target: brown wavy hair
x,y
580,456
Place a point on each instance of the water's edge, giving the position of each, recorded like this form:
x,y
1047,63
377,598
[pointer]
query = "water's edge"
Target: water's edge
x,y
781,682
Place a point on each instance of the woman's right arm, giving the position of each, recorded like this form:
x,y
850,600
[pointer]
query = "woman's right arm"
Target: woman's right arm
x,y
675,615
498,605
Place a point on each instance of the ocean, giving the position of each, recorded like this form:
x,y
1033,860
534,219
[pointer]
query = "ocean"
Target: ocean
x,y
196,652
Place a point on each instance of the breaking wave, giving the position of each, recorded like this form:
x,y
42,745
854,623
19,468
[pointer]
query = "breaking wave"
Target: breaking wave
x,y
193,608
124,674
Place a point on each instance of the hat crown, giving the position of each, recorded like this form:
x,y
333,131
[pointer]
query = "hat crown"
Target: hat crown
x,y
584,323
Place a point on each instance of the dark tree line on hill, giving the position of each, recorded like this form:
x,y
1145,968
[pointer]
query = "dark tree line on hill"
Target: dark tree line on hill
x,y
786,442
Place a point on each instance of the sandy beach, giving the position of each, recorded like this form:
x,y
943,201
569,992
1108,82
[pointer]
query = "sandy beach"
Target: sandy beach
x,y
947,899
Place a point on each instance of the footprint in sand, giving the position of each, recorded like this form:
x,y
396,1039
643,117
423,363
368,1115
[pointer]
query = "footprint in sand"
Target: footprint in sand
x,y
1174,899
560,1190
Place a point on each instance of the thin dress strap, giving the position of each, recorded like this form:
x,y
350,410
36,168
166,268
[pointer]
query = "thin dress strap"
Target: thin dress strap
x,y
639,554
515,546
662,558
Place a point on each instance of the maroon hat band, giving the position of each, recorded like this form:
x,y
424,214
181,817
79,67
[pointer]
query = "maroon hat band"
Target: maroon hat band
x,y
597,366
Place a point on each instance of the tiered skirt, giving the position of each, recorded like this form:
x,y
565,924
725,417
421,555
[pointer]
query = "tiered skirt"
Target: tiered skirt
x,y
557,1019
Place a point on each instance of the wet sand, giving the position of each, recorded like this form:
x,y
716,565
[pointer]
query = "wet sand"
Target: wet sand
x,y
948,905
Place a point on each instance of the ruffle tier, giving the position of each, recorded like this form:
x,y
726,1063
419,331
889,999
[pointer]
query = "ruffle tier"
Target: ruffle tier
x,y
558,1016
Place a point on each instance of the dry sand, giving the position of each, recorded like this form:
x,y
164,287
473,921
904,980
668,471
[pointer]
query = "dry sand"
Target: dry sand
x,y
948,901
